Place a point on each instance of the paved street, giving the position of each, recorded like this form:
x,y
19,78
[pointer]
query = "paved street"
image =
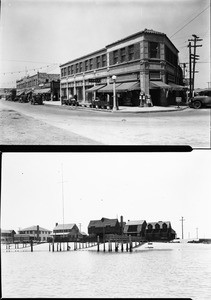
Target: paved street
x,y
24,124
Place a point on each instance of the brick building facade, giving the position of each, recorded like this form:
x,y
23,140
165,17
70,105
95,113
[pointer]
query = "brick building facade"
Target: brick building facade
x,y
145,62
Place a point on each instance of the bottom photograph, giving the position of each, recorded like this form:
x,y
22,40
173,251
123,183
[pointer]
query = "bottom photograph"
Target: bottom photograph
x,y
105,225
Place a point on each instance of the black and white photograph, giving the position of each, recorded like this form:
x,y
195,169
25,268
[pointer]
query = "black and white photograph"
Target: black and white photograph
x,y
97,72
106,225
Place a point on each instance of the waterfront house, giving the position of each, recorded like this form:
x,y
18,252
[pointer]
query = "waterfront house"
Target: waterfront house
x,y
66,231
38,233
156,231
135,228
104,227
7,236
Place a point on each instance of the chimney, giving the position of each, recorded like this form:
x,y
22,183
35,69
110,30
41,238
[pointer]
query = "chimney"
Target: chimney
x,y
121,223
56,224
38,229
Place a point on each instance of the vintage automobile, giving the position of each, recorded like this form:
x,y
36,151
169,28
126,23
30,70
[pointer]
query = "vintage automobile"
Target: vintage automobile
x,y
36,99
100,103
71,101
202,98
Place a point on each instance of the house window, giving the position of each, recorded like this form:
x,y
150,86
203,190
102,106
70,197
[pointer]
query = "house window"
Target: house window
x,y
115,57
154,50
104,60
69,70
76,68
86,65
91,63
131,52
122,54
98,62
72,70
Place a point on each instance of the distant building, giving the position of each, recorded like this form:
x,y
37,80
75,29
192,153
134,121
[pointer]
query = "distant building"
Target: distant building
x,y
38,233
144,62
104,226
156,231
135,228
67,231
46,84
7,236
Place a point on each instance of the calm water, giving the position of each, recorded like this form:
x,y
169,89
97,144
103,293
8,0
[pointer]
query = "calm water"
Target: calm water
x,y
175,270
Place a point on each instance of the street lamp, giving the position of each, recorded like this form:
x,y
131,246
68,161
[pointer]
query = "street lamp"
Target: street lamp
x,y
114,93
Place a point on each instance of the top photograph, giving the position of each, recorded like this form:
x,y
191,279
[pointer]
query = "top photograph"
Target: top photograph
x,y
123,73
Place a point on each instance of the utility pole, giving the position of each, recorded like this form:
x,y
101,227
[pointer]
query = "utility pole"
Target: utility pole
x,y
193,57
182,220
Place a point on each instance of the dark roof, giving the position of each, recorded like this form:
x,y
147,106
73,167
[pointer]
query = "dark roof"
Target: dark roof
x,y
34,227
160,223
7,231
103,222
64,226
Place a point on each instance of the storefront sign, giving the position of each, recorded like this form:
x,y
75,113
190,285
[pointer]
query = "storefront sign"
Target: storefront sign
x,y
95,80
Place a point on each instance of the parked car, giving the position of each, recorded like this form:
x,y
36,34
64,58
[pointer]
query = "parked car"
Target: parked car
x,y
201,99
36,99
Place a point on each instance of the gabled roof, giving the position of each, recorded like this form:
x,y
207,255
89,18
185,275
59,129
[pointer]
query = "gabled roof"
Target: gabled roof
x,y
7,231
64,226
103,222
139,222
34,227
160,223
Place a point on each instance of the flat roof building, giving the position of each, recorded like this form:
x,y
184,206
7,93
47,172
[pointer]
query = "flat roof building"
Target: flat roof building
x,y
144,63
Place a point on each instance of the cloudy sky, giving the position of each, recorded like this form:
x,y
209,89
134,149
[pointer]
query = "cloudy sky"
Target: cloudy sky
x,y
39,35
138,186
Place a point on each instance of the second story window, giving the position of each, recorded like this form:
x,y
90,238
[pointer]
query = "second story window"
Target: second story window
x,y
98,62
104,60
80,67
154,50
76,68
69,70
65,72
131,52
72,70
115,57
122,54
86,65
91,63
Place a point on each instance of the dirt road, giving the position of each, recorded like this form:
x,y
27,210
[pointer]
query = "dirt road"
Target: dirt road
x,y
22,123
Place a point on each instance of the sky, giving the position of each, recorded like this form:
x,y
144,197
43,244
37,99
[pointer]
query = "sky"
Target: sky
x,y
137,186
39,35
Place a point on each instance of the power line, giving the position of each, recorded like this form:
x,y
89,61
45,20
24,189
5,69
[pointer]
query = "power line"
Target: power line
x,y
189,21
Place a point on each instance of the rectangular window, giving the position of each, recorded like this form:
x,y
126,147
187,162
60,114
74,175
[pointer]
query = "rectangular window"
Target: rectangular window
x,y
72,70
76,68
91,63
86,65
153,75
104,60
115,57
122,54
98,62
131,52
80,67
69,70
154,50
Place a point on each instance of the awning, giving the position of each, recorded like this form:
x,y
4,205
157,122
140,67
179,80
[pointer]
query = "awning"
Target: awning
x,y
108,88
95,88
42,91
176,87
159,84
19,93
28,91
128,86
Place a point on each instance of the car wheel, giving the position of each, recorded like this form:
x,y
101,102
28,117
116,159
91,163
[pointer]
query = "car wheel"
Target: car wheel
x,y
196,104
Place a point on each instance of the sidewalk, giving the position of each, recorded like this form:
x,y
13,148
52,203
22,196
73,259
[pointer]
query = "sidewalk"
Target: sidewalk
x,y
123,109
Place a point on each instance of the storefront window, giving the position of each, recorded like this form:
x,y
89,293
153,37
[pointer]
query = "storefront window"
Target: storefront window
x,y
154,50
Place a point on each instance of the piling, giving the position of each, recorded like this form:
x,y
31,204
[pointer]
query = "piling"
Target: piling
x,y
127,246
104,246
60,246
130,242
53,245
31,245
116,246
49,246
98,243
122,247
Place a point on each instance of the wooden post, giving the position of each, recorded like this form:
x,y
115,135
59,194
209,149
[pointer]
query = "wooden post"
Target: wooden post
x,y
104,246
31,245
49,246
67,247
53,245
98,243
130,243
127,246
60,246
122,247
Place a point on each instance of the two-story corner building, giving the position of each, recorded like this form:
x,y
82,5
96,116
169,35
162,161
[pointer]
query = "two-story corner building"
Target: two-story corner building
x,y
144,62
38,233
43,83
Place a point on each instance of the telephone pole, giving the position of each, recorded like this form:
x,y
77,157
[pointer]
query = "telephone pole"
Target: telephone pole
x,y
182,220
193,57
